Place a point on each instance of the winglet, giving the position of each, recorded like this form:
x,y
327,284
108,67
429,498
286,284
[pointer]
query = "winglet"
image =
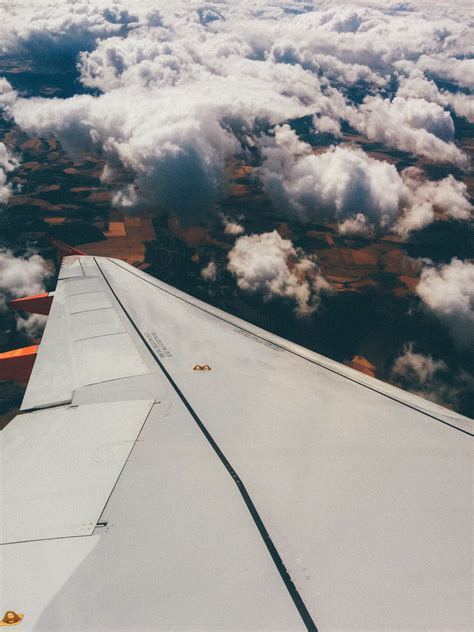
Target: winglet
x,y
16,365
36,304
64,250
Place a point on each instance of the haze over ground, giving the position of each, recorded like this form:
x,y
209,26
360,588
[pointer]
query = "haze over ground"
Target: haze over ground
x,y
310,163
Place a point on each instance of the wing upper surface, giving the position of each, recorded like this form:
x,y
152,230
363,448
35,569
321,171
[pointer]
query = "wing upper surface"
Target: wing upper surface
x,y
276,464
367,492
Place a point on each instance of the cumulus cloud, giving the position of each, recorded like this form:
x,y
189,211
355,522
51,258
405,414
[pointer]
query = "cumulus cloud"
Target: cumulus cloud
x,y
268,265
8,163
409,124
20,276
430,378
231,227
209,272
7,94
180,87
176,149
346,185
448,292
357,226
416,85
448,196
459,71
50,27
175,139
416,367
31,325
336,184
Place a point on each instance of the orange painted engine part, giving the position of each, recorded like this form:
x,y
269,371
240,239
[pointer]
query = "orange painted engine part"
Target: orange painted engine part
x,y
36,304
16,365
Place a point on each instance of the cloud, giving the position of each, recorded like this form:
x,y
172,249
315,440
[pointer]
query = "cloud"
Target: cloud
x,y
209,272
334,185
409,124
448,196
268,265
51,27
7,94
431,379
459,71
177,138
448,292
177,150
231,227
357,225
31,325
416,367
8,163
346,185
22,276
177,90
416,85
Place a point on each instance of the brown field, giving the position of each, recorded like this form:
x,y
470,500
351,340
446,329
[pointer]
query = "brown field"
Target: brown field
x,y
125,239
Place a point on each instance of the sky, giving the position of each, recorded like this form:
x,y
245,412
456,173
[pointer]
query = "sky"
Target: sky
x,y
174,90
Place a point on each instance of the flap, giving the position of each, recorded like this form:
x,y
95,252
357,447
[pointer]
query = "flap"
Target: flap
x,y
60,465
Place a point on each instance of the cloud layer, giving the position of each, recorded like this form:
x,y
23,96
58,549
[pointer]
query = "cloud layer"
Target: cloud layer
x,y
184,87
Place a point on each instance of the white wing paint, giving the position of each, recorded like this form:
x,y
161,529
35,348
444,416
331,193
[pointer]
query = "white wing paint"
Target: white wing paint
x,y
277,491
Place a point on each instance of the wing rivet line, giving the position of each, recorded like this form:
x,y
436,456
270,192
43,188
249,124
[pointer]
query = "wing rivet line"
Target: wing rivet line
x,y
201,367
12,618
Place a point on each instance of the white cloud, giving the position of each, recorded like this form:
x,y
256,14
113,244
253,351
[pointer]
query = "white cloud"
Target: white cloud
x,y
358,225
417,367
429,378
459,71
31,325
8,163
181,86
7,94
448,292
231,227
20,276
269,265
408,124
209,272
48,27
334,185
346,185
448,196
174,138
176,149
416,85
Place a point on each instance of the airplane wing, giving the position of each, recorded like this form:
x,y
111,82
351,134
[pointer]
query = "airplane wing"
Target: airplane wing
x,y
176,468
